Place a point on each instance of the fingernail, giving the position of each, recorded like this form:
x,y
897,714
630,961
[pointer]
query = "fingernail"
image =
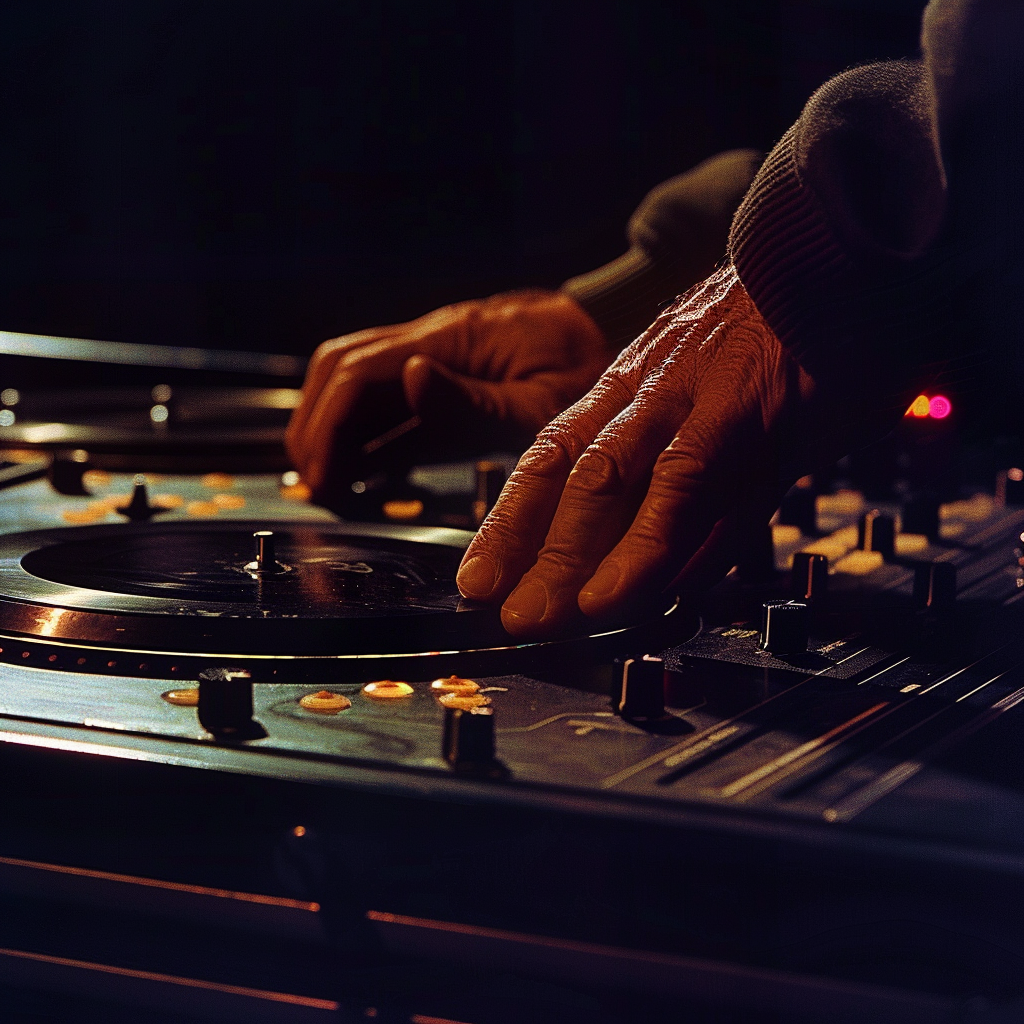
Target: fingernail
x,y
476,578
603,582
528,602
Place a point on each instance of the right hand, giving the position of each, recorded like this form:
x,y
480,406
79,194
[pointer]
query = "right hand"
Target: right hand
x,y
481,375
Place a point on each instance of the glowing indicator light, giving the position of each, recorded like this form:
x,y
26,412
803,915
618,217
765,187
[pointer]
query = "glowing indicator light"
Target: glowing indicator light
x,y
1015,474
937,408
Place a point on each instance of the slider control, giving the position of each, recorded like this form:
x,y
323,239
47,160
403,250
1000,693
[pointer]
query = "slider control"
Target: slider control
x,y
935,585
225,705
467,742
877,532
643,688
809,577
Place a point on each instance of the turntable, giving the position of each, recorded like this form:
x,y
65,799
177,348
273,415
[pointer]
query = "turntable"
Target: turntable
x,y
302,779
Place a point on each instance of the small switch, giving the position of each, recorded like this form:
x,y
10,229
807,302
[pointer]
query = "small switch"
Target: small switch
x,y
67,469
467,742
225,705
784,627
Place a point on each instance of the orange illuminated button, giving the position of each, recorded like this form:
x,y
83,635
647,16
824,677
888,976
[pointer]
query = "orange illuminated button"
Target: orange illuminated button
x,y
454,684
202,508
229,501
463,701
183,698
325,702
387,689
403,511
218,481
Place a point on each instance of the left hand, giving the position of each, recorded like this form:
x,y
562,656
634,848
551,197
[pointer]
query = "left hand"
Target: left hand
x,y
651,481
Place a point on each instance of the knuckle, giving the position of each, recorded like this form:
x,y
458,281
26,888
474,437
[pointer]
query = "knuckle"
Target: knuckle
x,y
598,473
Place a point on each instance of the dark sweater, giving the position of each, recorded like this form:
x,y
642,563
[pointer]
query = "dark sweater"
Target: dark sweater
x,y
883,228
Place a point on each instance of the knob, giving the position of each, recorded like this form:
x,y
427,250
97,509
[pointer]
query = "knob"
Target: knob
x,y
920,514
467,741
810,576
225,704
877,532
67,470
490,478
265,564
935,585
784,626
138,508
799,508
1010,487
643,688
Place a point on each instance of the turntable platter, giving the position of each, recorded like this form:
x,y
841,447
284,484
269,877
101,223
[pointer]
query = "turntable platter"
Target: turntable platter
x,y
190,592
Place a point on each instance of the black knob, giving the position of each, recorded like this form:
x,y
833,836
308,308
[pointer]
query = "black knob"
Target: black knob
x,y
67,470
935,585
1010,487
784,626
920,514
490,478
643,688
810,576
877,532
138,508
799,508
467,742
225,704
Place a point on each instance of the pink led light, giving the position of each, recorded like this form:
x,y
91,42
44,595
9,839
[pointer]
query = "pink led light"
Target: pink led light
x,y
939,407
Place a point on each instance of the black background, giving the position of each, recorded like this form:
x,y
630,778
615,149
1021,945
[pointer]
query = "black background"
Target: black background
x,y
266,175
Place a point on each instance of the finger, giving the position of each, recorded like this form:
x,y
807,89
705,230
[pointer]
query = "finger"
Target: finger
x,y
321,368
508,542
331,420
474,414
441,329
597,505
313,450
715,461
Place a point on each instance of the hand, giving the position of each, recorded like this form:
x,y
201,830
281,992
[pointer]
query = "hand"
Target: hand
x,y
481,375
651,482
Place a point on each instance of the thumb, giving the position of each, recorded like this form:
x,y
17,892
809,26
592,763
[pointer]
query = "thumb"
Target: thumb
x,y
440,395
491,412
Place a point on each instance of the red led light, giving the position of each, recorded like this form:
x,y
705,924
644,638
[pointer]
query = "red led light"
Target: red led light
x,y
937,408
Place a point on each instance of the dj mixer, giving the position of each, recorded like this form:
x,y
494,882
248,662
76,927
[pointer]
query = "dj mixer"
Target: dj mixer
x,y
263,762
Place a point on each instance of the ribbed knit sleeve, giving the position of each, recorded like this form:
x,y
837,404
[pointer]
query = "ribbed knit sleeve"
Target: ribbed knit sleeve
x,y
836,241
